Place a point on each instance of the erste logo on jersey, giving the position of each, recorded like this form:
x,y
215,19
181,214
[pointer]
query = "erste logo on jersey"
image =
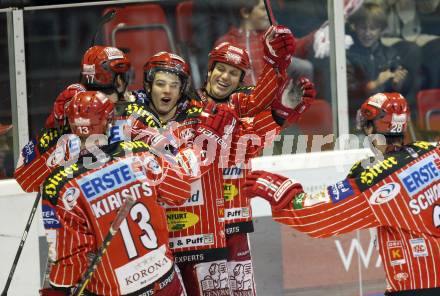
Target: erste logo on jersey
x,y
421,174
340,191
117,131
233,172
112,177
385,193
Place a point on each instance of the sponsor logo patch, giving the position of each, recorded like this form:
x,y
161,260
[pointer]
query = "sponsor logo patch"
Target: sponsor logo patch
x,y
418,247
192,241
111,177
50,218
420,175
143,271
234,172
395,252
340,191
233,213
385,193
179,220
230,191
374,173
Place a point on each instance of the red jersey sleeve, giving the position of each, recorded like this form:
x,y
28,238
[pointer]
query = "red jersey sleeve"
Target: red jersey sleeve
x,y
341,209
175,188
38,158
261,97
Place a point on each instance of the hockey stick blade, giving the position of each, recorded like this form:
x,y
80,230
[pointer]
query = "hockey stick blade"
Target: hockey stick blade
x,y
114,227
20,247
105,19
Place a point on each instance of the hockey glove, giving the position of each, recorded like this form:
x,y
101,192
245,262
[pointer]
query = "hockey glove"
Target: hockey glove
x,y
218,123
293,100
279,47
58,113
278,190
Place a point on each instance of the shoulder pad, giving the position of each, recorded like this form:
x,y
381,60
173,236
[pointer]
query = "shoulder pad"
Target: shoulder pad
x,y
121,148
58,178
49,137
423,145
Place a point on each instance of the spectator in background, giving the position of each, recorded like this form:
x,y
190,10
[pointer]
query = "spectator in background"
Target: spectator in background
x,y
248,35
371,66
210,19
6,155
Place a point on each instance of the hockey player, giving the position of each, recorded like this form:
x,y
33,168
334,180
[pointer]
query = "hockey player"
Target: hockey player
x,y
196,228
228,65
103,68
399,194
80,201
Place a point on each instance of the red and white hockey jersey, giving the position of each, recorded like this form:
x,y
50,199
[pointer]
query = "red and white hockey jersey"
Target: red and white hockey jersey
x,y
80,202
399,195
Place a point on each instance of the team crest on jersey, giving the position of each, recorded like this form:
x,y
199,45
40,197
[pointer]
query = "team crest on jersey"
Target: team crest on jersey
x,y
70,198
418,247
385,193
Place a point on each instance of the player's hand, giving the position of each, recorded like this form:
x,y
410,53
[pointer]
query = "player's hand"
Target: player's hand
x,y
214,133
219,119
294,99
279,46
59,106
278,190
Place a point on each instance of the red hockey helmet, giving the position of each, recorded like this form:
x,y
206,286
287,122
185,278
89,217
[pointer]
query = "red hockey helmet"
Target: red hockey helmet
x,y
229,54
89,113
100,65
168,62
389,113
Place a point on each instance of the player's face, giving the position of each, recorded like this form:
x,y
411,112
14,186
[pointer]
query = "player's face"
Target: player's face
x,y
258,17
165,92
368,33
222,80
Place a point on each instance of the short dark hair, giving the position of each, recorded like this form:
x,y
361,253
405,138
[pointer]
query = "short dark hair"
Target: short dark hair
x,y
247,5
370,12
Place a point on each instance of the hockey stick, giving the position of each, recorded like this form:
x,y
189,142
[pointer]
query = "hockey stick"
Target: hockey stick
x,y
269,12
105,19
20,247
114,227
